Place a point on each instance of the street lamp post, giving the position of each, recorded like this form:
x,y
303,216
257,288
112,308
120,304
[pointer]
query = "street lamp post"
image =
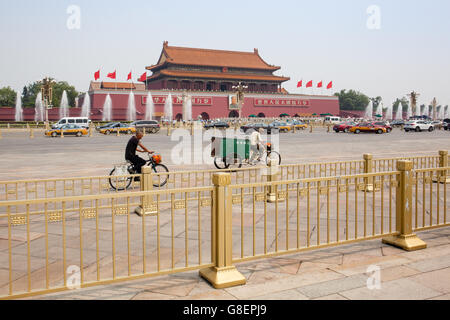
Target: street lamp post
x,y
47,93
240,88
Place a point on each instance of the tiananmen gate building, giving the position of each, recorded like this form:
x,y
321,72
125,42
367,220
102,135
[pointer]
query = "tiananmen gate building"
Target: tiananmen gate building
x,y
208,77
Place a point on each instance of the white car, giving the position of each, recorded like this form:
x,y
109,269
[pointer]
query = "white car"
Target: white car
x,y
418,125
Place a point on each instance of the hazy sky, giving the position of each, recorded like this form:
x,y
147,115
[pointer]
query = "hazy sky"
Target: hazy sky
x,y
311,40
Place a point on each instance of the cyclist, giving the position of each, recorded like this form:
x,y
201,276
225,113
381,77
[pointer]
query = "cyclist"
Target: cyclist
x,y
132,147
255,145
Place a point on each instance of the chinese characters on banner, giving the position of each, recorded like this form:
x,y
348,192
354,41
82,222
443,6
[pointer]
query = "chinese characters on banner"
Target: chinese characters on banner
x,y
199,101
266,102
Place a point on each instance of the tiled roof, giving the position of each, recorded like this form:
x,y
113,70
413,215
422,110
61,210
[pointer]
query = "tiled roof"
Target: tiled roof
x,y
209,57
213,75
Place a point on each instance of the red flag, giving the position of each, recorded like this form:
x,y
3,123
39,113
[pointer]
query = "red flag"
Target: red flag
x,y
112,75
299,84
143,77
129,76
330,85
309,84
319,85
97,75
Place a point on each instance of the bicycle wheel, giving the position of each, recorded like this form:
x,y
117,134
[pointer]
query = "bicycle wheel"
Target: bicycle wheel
x,y
219,162
161,178
119,183
273,156
233,161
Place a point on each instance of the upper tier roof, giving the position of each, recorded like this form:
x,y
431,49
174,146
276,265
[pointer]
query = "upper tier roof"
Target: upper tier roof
x,y
209,57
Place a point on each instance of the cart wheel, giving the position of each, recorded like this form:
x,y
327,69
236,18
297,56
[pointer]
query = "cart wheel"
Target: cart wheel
x,y
220,163
233,161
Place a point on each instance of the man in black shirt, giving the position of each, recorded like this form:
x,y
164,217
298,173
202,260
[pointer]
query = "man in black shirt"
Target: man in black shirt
x,y
132,147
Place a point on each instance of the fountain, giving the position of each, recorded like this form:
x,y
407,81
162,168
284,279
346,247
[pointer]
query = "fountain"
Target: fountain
x,y
131,110
441,113
86,108
369,111
389,112
399,113
408,112
188,115
149,107
446,112
168,108
19,110
379,108
38,108
64,106
107,109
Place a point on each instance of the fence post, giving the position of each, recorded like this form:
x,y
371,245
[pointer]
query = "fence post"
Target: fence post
x,y
310,128
405,239
31,133
272,176
147,206
62,133
442,176
168,130
368,168
0,133
223,274
90,131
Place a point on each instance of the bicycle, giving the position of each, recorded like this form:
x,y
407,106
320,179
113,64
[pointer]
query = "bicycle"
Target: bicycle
x,y
235,160
123,180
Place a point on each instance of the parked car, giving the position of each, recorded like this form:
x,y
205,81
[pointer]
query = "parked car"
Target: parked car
x,y
384,125
105,126
446,124
367,127
121,127
298,124
68,130
150,126
256,126
418,125
397,123
343,127
282,126
217,124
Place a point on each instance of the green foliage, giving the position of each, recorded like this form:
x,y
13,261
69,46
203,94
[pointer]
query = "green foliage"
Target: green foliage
x,y
404,103
30,92
352,100
376,101
7,97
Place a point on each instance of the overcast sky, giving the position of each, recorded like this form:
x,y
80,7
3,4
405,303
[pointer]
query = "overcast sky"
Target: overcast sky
x,y
311,40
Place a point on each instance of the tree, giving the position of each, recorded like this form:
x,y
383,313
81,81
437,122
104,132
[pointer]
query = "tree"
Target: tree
x,y
376,101
7,97
403,101
30,92
352,100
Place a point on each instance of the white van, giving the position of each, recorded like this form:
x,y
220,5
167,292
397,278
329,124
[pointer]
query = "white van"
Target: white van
x,y
81,121
332,120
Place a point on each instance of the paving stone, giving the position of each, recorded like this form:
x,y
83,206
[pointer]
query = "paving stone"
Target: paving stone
x,y
401,289
148,295
438,280
363,262
443,297
334,286
292,282
331,297
213,295
394,273
431,264
282,295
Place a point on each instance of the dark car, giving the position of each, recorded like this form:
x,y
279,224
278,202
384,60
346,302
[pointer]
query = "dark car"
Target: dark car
x,y
397,123
256,126
218,124
343,127
150,126
446,124
108,125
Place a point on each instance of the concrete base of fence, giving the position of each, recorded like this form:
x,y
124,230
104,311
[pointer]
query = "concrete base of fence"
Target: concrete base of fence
x,y
225,277
406,242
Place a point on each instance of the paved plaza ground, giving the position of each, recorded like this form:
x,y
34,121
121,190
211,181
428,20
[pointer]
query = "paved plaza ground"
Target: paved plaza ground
x,y
339,273
44,157
336,273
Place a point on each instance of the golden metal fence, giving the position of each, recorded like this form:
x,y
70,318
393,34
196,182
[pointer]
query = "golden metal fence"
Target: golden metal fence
x,y
210,228
45,240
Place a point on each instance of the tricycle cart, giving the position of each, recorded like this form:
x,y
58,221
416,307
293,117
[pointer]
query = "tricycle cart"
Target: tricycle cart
x,y
229,152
